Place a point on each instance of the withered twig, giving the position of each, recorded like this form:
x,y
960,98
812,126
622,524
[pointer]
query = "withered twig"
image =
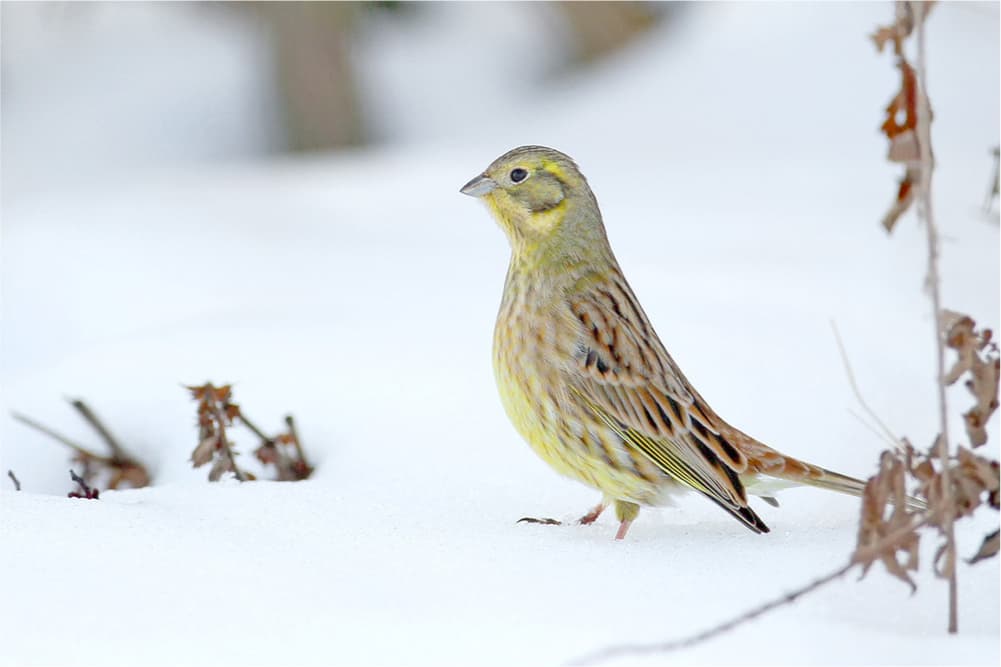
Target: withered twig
x,y
870,552
88,492
925,212
858,558
83,451
13,478
117,451
887,433
290,422
715,631
224,441
270,444
258,432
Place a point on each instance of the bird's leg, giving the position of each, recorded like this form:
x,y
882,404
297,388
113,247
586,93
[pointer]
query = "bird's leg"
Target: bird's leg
x,y
626,512
593,515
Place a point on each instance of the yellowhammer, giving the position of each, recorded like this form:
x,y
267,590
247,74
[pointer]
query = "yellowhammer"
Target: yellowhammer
x,y
584,377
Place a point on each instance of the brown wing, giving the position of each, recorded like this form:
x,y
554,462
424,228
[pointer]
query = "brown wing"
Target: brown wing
x,y
624,374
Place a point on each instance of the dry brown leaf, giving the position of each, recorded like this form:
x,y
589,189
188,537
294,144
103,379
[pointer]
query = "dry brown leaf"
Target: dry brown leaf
x,y
988,549
977,355
981,471
944,563
905,197
960,336
984,386
884,34
221,466
903,25
902,111
134,476
901,122
885,489
204,451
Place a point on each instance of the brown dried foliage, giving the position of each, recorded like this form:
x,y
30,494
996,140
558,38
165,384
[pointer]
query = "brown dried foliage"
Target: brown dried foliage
x,y
901,122
119,469
285,453
217,412
885,513
977,355
973,480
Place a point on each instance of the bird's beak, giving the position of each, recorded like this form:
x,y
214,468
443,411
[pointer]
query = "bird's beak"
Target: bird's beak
x,y
479,186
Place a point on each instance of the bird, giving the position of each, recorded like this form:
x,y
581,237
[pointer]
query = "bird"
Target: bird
x,y
585,379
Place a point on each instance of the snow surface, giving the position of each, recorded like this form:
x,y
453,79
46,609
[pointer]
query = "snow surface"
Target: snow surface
x,y
742,181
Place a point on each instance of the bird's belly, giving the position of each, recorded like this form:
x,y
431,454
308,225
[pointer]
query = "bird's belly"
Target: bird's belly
x,y
564,434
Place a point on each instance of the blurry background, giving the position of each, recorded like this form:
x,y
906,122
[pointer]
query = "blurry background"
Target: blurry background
x,y
94,90
190,189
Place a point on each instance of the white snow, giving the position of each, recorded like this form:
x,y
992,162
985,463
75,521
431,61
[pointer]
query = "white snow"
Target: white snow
x,y
742,179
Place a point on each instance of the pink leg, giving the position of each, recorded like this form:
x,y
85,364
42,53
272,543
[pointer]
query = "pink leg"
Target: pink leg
x,y
623,529
593,515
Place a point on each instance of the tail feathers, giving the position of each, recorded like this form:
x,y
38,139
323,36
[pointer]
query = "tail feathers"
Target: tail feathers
x,y
833,481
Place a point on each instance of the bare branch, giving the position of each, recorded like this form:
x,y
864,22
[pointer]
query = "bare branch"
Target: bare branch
x,y
258,432
224,441
933,280
13,478
86,491
83,451
860,557
290,422
117,451
886,432
722,628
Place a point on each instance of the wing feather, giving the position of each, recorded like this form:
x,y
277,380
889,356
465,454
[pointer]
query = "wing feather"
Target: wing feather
x,y
623,373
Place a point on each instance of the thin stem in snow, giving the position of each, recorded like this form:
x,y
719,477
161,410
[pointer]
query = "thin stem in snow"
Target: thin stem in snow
x,y
933,279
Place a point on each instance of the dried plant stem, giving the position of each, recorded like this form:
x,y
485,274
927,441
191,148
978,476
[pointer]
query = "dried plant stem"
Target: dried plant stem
x,y
13,478
290,422
117,451
258,432
86,491
722,628
280,461
886,432
28,421
224,441
860,557
925,213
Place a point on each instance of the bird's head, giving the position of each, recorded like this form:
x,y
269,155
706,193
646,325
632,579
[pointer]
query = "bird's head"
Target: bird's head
x,y
542,202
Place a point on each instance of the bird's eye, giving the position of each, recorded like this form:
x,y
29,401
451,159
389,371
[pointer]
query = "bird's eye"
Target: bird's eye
x,y
518,175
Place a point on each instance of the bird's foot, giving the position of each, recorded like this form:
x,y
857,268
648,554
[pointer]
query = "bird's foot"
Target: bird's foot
x,y
544,521
623,529
593,515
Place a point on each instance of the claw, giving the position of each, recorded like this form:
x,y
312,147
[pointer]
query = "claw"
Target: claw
x,y
545,522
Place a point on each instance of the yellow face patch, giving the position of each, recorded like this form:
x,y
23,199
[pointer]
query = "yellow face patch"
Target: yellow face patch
x,y
555,169
527,227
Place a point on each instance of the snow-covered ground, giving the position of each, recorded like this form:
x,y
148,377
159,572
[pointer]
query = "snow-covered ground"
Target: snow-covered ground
x,y
742,181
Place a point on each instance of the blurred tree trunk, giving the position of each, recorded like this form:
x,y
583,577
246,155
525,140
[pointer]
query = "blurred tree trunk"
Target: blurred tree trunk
x,y
312,48
599,28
